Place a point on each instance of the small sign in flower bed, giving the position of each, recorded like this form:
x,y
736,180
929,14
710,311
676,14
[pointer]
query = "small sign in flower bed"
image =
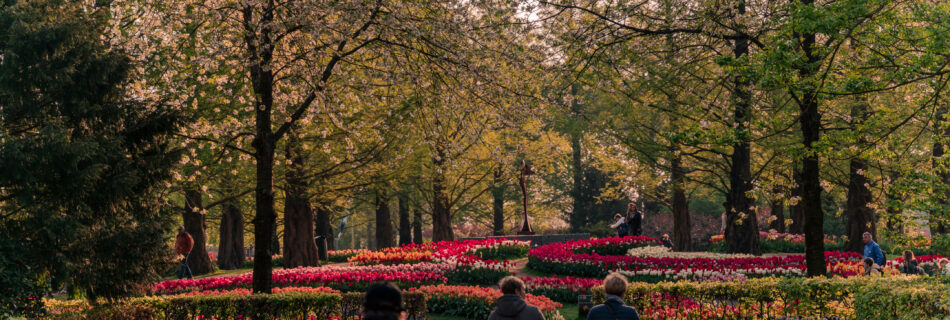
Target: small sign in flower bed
x,y
477,302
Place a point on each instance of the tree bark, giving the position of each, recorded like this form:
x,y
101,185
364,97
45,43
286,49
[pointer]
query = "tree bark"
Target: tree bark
x,y
300,250
441,217
194,221
742,230
370,235
323,227
810,119
682,225
384,222
416,226
860,217
498,203
405,229
231,238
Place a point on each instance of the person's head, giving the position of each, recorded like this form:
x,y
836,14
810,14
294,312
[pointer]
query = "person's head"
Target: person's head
x,y
383,301
867,237
181,228
511,285
908,255
943,262
617,217
868,262
615,284
666,236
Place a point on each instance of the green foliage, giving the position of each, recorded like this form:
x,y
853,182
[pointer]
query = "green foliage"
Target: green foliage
x,y
501,253
476,276
83,160
286,305
940,244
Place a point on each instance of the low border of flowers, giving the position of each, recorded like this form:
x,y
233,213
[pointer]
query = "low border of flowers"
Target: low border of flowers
x,y
474,302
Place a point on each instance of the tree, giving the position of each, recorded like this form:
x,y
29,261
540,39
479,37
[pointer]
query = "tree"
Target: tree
x,y
194,220
84,160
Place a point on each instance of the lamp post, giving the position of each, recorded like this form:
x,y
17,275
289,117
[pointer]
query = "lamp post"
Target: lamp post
x,y
523,181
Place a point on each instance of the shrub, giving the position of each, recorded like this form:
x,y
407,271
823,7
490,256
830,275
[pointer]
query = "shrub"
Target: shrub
x,y
286,305
477,302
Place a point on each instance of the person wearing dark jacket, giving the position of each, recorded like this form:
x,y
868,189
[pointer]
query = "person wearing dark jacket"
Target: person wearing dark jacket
x,y
666,241
613,308
183,245
910,264
634,220
511,306
383,301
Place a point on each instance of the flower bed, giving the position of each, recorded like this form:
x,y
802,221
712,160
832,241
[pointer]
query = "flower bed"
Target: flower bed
x,y
664,252
477,302
347,279
781,243
570,258
560,289
792,298
342,255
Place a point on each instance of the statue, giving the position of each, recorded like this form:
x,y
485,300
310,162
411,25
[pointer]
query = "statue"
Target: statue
x,y
523,182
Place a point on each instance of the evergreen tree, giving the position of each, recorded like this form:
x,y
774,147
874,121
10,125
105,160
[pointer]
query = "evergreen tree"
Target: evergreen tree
x,y
82,159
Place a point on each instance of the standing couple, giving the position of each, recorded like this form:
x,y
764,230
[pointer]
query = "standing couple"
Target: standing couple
x,y
629,225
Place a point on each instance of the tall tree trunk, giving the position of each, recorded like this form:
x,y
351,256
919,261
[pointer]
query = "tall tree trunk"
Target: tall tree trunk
x,y
194,221
416,226
810,119
323,227
682,226
441,217
371,235
498,203
892,206
231,238
778,210
405,229
578,214
300,250
939,217
860,217
384,222
797,213
742,229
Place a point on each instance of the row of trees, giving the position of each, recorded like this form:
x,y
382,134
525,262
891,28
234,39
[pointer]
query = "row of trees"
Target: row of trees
x,y
353,108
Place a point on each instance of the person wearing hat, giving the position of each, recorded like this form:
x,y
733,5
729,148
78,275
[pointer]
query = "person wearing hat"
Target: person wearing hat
x,y
383,302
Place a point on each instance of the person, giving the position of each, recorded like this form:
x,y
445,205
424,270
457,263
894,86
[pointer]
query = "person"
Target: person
x,y
613,308
870,267
383,301
872,250
666,241
621,225
910,264
183,245
943,266
634,219
511,305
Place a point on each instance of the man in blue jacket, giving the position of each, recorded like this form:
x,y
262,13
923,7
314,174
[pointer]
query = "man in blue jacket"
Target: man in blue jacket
x,y
613,308
872,250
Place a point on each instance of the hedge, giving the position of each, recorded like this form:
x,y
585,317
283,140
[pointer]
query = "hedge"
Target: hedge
x,y
898,297
288,305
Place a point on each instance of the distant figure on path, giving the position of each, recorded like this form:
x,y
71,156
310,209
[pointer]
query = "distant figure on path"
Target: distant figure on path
x,y
620,224
383,301
872,250
666,241
613,308
183,245
634,219
910,264
511,306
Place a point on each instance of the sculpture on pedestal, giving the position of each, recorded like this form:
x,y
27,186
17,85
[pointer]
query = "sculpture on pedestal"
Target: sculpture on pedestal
x,y
523,182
